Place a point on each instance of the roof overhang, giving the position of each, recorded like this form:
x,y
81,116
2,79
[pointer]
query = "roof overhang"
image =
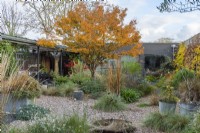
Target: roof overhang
x,y
15,40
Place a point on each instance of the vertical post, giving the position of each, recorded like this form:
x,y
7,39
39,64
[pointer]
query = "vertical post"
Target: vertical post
x,y
61,71
173,52
38,63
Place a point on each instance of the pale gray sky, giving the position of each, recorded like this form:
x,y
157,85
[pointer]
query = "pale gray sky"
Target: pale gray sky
x,y
151,23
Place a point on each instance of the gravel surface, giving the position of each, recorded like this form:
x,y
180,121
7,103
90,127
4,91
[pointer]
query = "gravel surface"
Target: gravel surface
x,y
63,105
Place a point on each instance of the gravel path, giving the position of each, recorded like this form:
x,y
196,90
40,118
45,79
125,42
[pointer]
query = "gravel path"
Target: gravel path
x,y
63,105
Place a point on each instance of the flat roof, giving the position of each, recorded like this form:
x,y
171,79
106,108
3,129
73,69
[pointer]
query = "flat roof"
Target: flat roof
x,y
16,40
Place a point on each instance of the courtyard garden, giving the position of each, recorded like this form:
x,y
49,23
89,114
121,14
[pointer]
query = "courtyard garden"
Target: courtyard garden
x,y
92,76
118,99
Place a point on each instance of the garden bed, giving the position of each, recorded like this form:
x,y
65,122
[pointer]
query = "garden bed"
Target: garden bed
x,y
62,105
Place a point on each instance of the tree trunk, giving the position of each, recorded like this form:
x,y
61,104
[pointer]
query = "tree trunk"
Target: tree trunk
x,y
92,73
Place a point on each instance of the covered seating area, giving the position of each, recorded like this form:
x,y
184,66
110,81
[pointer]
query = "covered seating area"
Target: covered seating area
x,y
38,60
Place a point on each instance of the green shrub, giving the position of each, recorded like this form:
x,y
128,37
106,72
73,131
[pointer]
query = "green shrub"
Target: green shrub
x,y
130,95
93,87
60,79
132,67
145,89
167,123
30,112
151,78
110,103
73,124
79,78
161,82
182,75
67,89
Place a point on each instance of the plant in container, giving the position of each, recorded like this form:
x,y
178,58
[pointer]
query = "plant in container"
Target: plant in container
x,y
23,89
189,91
188,87
167,103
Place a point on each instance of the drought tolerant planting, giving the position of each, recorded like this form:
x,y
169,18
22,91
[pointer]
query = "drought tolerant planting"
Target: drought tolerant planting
x,y
173,123
110,103
130,95
64,89
90,72
167,103
65,124
167,122
31,112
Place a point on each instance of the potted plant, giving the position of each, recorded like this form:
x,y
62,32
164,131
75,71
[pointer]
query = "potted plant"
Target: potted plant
x,y
189,91
23,89
14,87
188,85
168,100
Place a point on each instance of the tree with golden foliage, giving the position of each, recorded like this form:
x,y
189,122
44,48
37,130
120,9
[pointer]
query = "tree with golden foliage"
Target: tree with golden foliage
x,y
192,58
180,56
97,31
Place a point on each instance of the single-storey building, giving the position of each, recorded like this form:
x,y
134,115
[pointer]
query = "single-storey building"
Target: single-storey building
x,y
38,57
156,53
33,57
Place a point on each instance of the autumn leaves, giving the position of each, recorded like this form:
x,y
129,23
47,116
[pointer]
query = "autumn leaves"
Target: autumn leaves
x,y
96,31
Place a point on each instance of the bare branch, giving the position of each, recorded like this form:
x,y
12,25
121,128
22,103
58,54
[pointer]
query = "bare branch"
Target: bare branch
x,y
13,21
43,14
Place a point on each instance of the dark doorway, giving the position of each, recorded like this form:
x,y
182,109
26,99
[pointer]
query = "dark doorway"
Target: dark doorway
x,y
153,62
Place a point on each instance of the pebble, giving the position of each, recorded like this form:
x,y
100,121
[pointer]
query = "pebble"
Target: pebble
x,y
68,106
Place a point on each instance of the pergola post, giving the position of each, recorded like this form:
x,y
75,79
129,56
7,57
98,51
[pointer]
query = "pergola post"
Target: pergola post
x,y
38,62
61,60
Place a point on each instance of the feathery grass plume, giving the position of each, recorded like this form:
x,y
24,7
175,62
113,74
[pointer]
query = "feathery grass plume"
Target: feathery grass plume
x,y
7,77
110,78
115,78
118,77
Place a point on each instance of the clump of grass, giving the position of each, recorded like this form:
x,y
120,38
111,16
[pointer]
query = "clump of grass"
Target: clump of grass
x,y
52,91
110,103
93,86
194,126
67,89
130,95
73,124
167,123
142,105
77,124
61,90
